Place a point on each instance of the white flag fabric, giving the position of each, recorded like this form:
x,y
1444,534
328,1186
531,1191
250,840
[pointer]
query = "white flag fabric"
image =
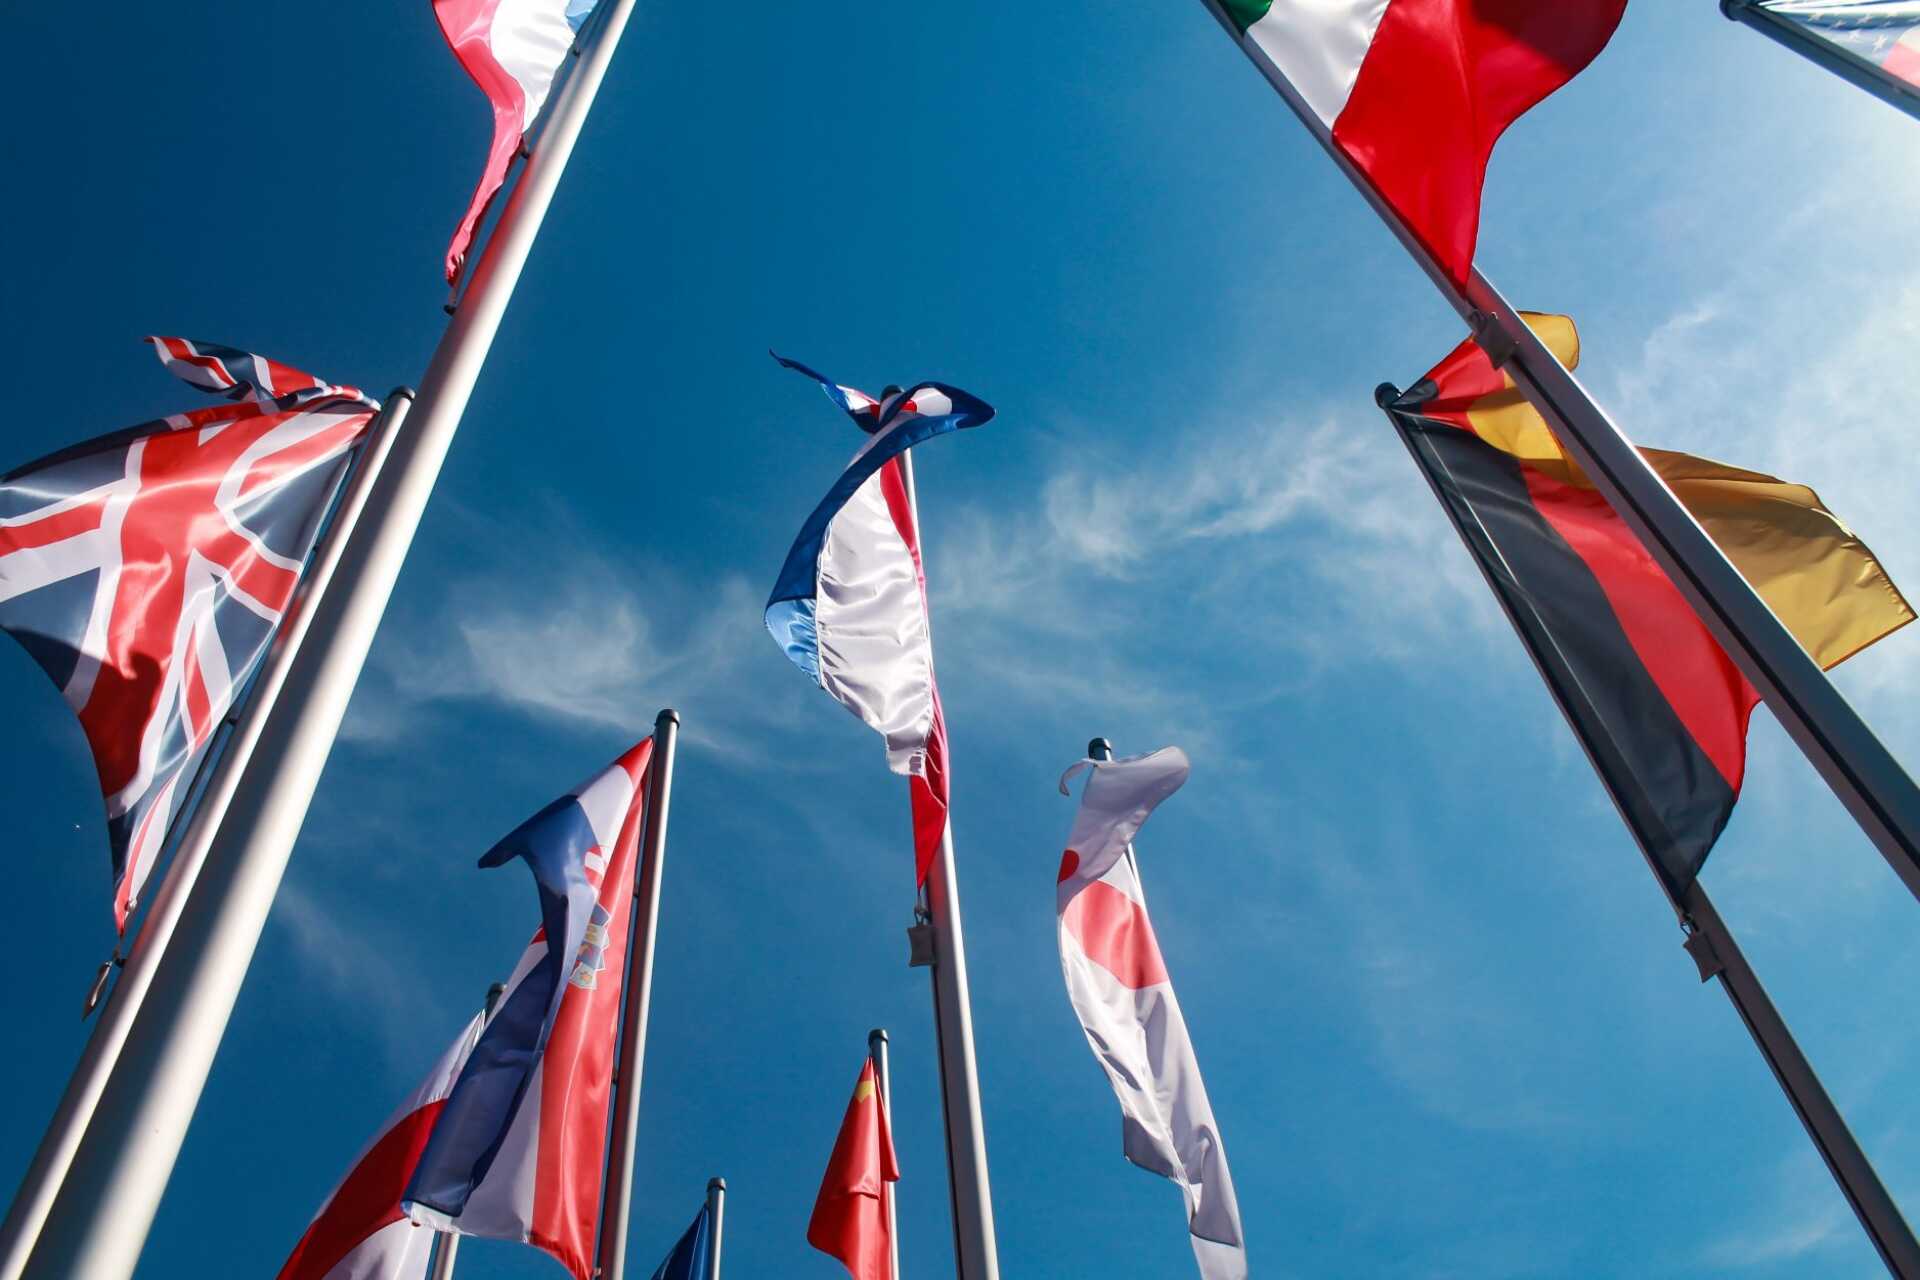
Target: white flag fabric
x,y
1118,984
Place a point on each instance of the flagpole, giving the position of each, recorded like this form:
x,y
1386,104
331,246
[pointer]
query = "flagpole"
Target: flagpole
x,y
447,1246
1102,749
716,1221
100,1218
1712,946
877,1050
62,1138
976,1255
636,999
1860,770
1849,66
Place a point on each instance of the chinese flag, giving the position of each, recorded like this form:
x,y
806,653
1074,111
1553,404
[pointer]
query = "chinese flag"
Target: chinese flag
x,y
850,1215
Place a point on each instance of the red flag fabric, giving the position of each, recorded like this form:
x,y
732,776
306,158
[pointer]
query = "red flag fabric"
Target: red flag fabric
x,y
850,1214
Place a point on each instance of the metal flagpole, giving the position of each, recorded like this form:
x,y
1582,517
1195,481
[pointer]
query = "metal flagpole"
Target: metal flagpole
x,y
1836,58
636,998
716,1220
877,1050
1713,949
976,1255
100,1218
1878,793
50,1161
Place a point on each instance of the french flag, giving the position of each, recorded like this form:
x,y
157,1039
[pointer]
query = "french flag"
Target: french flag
x,y
1416,92
518,1151
850,606
512,49
361,1232
1118,983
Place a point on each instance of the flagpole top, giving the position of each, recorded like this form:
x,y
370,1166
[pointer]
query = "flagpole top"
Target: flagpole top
x,y
878,1033
716,1184
1100,749
400,393
1385,394
666,717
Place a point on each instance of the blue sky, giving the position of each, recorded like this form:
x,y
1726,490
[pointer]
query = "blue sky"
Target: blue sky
x,y
1443,1010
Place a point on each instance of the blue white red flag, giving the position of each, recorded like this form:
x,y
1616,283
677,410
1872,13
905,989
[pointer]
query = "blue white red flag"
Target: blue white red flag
x,y
519,1149
1886,33
146,571
512,49
850,606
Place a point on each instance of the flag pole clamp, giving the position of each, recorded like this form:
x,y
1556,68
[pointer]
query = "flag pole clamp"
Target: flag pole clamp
x,y
1493,337
1700,947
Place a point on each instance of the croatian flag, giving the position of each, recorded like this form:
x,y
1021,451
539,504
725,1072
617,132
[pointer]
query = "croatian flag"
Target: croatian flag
x,y
512,49
361,1233
850,606
1416,92
146,571
1119,987
518,1152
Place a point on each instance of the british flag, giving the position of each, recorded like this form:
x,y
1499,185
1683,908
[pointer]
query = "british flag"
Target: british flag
x,y
146,570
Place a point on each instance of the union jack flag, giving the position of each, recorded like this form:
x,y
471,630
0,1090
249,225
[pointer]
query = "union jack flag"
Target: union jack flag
x,y
146,570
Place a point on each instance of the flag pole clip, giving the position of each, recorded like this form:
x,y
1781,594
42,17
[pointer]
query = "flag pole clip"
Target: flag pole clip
x,y
1700,947
99,987
920,939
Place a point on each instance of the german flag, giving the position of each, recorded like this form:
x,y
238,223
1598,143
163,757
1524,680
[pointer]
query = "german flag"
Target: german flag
x,y
1660,708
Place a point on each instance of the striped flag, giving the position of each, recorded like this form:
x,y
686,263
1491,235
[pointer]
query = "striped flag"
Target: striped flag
x,y
1416,92
1660,707
147,570
513,50
850,606
1119,987
519,1150
361,1233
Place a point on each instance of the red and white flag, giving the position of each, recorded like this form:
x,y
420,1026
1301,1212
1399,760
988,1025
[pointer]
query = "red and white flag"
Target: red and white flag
x,y
512,49
1416,92
850,1214
360,1232
1119,986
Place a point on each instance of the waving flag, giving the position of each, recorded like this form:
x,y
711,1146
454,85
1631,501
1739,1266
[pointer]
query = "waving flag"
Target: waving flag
x,y
692,1255
1661,708
512,49
1879,37
1416,92
519,1150
1119,987
850,1214
850,606
146,570
361,1233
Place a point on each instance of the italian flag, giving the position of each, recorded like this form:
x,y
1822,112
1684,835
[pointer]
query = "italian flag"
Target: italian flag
x,y
1416,92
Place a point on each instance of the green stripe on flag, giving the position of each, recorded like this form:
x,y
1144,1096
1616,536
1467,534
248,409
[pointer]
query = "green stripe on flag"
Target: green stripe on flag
x,y
1246,12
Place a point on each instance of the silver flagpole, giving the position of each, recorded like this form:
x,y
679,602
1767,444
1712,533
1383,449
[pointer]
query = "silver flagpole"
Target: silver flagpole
x,y
877,1050
35,1196
975,1253
1713,949
716,1222
1860,770
636,999
1851,67
100,1218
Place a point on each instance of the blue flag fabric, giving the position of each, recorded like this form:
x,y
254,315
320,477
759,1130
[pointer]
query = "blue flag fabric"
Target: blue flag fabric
x,y
689,1259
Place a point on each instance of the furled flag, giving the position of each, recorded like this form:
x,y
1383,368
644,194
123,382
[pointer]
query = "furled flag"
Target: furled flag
x,y
692,1255
850,1213
361,1233
1879,37
512,49
1119,986
850,606
520,1147
146,570
1660,707
1416,92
